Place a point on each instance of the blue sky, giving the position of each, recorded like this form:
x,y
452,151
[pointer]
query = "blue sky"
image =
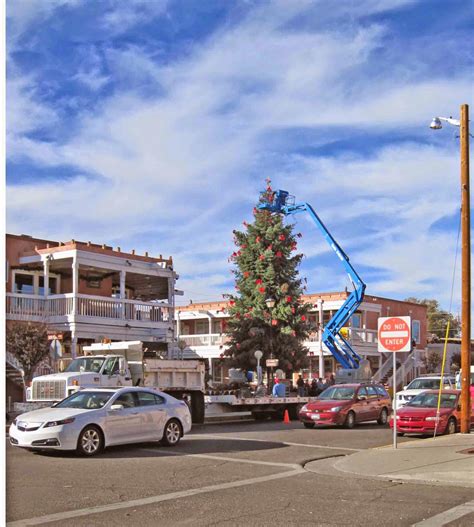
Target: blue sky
x,y
152,124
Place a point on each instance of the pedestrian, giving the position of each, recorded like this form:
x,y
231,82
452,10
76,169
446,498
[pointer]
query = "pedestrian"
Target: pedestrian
x,y
321,385
307,387
278,389
300,386
313,390
332,379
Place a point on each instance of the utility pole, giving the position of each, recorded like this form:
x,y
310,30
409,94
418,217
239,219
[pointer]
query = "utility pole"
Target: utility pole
x,y
466,273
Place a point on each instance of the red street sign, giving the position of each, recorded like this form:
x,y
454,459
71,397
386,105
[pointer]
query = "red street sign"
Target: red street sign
x,y
394,334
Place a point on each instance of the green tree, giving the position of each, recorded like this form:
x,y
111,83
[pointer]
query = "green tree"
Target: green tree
x,y
432,361
27,342
267,311
438,318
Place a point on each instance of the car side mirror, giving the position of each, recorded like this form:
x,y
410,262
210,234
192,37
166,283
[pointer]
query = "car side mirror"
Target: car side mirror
x,y
459,407
54,405
404,387
117,407
362,397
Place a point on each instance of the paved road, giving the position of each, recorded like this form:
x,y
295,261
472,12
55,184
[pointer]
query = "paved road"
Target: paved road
x,y
233,474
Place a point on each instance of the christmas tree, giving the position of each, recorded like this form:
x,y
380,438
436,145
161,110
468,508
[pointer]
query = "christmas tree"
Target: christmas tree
x,y
267,312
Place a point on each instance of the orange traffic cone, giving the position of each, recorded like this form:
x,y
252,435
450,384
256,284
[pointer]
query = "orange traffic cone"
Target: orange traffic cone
x,y
286,417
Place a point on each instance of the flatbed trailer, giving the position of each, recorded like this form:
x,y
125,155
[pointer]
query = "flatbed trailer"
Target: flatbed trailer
x,y
260,407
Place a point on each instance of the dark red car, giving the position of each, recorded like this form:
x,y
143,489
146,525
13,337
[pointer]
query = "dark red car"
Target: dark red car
x,y
348,404
419,415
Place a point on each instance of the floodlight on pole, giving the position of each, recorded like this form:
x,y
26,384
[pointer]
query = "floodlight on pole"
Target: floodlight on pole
x,y
436,123
463,125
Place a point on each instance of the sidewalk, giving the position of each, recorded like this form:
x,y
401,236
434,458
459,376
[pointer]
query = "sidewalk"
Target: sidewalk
x,y
436,461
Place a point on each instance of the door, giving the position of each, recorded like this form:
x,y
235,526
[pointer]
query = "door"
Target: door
x,y
153,415
361,407
374,406
123,426
111,373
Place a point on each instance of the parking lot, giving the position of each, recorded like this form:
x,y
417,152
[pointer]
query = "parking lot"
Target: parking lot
x,y
243,473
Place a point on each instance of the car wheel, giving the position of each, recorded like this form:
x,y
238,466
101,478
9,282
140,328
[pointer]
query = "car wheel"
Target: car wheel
x,y
400,434
451,426
172,433
383,418
350,420
90,442
308,425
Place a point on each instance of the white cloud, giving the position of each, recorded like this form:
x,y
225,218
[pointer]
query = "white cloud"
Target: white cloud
x,y
181,166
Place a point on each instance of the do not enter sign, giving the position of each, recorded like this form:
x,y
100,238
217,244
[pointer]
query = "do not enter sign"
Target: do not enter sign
x,y
394,334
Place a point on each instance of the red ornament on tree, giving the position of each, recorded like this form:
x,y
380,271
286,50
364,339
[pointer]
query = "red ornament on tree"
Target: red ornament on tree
x,y
232,302
261,257
258,239
288,298
258,281
270,247
282,237
274,322
261,289
278,254
303,318
246,274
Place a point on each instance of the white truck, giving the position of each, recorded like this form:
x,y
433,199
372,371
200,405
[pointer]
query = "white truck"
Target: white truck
x,y
121,364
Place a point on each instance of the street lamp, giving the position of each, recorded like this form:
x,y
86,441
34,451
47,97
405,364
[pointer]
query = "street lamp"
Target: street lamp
x,y
463,125
270,304
258,355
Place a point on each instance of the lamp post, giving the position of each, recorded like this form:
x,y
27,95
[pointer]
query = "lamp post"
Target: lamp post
x,y
258,355
270,304
463,125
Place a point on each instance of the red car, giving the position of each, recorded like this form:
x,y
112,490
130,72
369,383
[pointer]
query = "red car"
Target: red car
x,y
419,415
347,404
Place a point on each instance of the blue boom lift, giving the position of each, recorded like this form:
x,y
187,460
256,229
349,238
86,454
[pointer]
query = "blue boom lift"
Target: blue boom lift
x,y
284,203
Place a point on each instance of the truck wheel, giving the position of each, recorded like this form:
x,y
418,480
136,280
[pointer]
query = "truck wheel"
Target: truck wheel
x,y
259,416
350,420
197,407
172,433
90,441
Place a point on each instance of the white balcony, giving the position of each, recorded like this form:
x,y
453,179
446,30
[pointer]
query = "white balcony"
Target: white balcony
x,y
216,339
359,338
85,308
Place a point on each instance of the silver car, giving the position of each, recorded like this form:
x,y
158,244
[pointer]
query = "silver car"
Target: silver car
x,y
90,420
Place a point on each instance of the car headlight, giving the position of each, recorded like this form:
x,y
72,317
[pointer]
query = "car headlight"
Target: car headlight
x,y
432,418
59,423
336,409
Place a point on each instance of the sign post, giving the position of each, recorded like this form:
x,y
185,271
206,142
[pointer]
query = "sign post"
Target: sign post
x,y
394,334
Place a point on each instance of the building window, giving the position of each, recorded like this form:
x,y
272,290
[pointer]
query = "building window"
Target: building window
x,y
52,285
202,327
356,320
216,326
415,331
24,284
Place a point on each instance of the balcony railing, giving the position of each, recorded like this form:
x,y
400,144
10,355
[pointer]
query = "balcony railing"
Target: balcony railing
x,y
204,340
54,307
355,336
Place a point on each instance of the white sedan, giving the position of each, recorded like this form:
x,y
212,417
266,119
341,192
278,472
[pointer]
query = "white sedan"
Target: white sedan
x,y
92,419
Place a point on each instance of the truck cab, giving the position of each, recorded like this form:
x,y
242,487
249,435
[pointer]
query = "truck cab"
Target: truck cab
x,y
82,372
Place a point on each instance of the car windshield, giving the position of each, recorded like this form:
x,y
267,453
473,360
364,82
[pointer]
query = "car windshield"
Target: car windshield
x,y
85,400
90,364
338,392
424,384
430,400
